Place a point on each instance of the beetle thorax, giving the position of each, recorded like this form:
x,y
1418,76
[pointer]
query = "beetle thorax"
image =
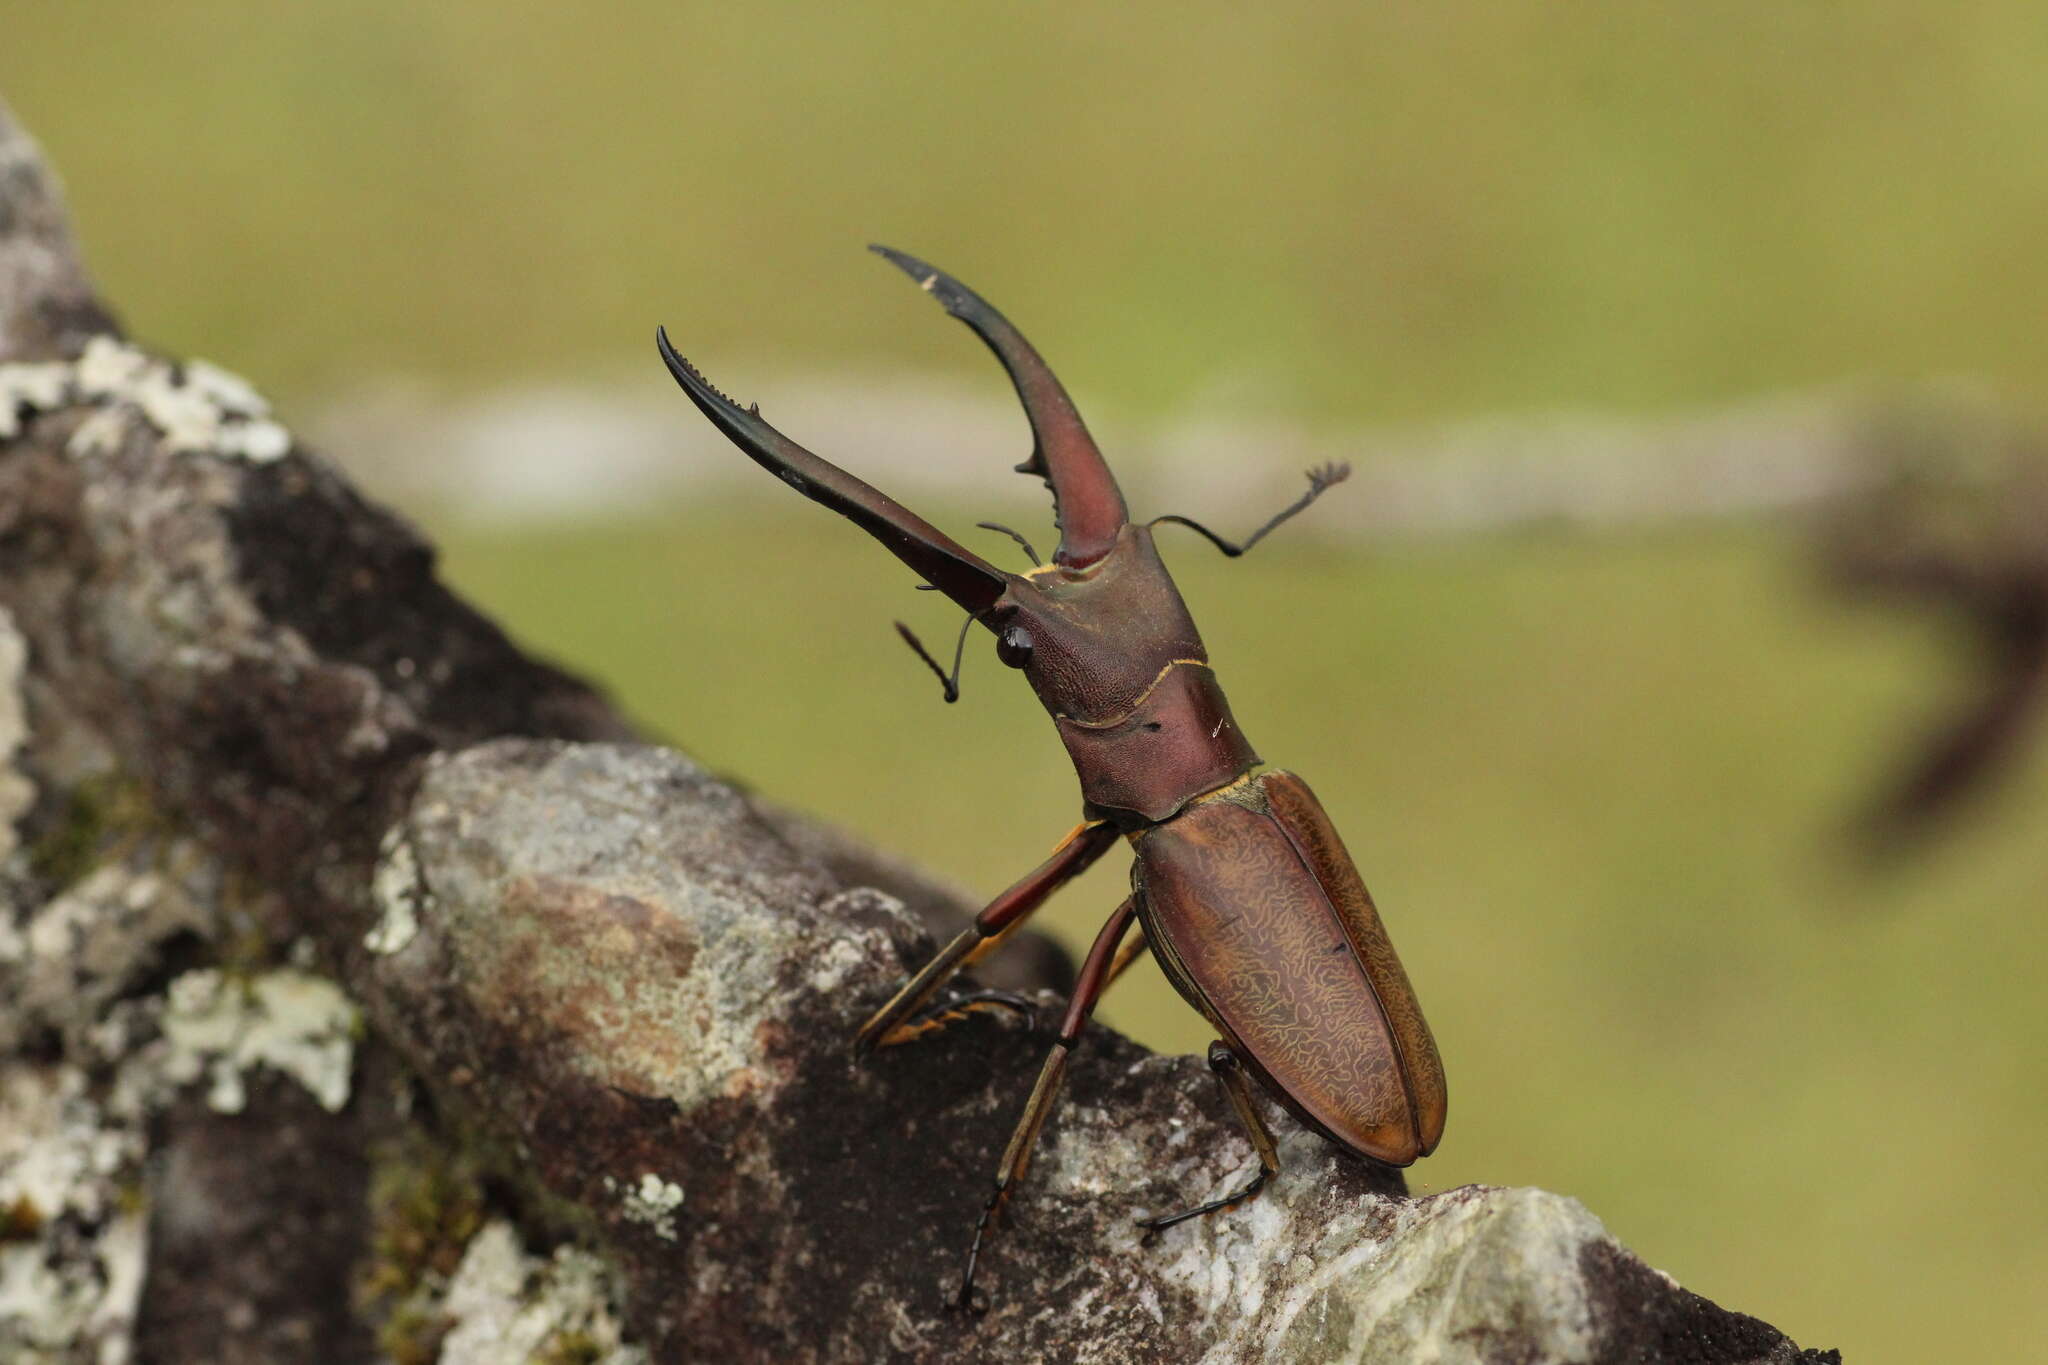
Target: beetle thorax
x,y
1115,658
1100,637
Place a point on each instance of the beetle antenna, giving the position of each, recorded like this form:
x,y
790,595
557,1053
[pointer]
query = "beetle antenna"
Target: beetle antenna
x,y
1320,479
950,683
998,526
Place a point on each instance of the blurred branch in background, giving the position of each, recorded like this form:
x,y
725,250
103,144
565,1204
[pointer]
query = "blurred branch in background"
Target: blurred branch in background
x,y
1933,497
555,453
1957,531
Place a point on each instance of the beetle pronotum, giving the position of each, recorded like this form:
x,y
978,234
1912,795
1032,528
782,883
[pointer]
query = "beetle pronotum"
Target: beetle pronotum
x,y
1241,886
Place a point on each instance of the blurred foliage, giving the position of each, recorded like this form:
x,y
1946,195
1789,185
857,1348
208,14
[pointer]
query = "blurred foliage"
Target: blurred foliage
x,y
1593,782
1357,210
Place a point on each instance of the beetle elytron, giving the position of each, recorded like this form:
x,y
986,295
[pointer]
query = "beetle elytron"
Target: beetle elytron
x,y
1241,887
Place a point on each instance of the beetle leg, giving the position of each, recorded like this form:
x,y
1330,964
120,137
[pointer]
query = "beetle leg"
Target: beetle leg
x,y
941,1014
1095,977
893,1023
1320,479
1128,954
1230,1072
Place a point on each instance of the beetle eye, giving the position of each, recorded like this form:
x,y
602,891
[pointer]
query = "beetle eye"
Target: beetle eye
x,y
1013,646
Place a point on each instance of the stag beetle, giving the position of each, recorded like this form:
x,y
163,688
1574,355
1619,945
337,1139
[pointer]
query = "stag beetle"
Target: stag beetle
x,y
1241,886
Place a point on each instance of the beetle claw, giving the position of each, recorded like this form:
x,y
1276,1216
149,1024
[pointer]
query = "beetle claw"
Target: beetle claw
x,y
1328,475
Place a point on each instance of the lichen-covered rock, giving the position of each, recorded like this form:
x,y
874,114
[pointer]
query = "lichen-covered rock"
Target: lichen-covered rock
x,y
47,304
65,964
287,1021
17,792
111,1050
71,1229
505,1305
638,979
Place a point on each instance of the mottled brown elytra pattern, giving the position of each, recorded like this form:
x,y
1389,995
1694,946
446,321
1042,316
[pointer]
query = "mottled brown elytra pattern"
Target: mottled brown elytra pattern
x,y
1253,887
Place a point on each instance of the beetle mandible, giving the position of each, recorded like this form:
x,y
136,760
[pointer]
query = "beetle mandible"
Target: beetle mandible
x,y
1241,887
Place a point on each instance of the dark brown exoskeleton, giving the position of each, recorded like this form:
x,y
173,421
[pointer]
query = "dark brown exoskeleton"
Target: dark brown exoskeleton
x,y
1241,886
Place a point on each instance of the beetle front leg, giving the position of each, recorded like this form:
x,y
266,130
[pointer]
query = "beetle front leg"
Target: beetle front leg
x,y
899,1021
943,1013
1230,1072
1096,974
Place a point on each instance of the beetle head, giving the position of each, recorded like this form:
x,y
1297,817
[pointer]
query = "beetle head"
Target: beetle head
x,y
1093,629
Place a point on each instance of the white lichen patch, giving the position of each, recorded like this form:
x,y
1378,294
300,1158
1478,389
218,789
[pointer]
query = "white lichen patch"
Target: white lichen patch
x,y
55,1150
194,407
398,893
832,966
65,964
55,1306
652,1202
30,388
17,793
288,1021
71,1268
508,1307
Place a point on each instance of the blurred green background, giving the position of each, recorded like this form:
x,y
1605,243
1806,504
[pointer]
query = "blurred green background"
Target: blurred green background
x,y
1595,780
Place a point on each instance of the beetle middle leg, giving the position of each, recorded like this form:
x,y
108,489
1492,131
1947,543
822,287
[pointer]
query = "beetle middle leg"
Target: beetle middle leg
x,y
899,1021
1230,1071
1103,965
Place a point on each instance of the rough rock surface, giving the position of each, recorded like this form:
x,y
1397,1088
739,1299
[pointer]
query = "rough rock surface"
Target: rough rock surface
x,y
366,994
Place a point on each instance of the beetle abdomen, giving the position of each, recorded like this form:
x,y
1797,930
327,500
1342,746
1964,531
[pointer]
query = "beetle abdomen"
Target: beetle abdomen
x,y
1262,921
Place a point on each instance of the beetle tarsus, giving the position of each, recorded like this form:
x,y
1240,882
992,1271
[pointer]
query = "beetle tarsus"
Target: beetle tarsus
x,y
1229,1073
883,1027
969,1299
1074,855
943,1014
1228,1201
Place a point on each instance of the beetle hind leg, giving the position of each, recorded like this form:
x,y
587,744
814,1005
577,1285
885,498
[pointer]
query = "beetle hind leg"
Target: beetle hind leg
x,y
1230,1072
